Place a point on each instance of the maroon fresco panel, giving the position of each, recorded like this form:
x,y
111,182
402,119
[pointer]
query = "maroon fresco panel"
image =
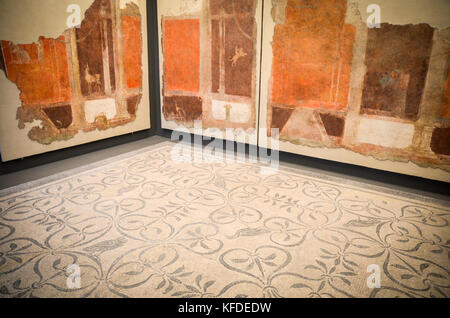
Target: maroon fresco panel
x,y
397,60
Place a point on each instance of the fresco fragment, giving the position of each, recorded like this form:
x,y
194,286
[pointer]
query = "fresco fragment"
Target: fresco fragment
x,y
375,96
210,57
70,83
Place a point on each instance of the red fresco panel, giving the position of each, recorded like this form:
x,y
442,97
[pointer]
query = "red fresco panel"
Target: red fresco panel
x,y
313,52
40,71
132,50
182,55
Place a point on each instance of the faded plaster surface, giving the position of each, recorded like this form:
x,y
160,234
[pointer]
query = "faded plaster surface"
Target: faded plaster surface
x,y
95,108
179,7
123,3
384,133
23,21
48,18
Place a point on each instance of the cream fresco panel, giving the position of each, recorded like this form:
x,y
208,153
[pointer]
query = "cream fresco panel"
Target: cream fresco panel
x,y
385,133
94,108
238,113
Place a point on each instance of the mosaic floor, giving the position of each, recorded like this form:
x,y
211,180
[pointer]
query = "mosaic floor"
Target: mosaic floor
x,y
142,225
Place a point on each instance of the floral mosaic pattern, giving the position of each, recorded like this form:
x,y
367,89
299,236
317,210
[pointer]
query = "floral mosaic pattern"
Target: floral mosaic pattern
x,y
144,226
